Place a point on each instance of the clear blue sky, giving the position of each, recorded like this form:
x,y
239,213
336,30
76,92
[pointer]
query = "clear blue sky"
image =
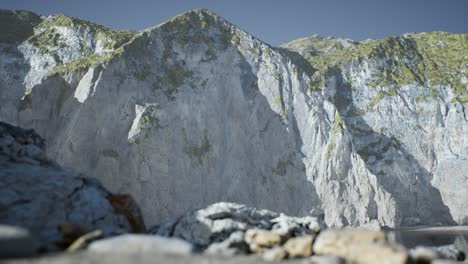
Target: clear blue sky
x,y
274,21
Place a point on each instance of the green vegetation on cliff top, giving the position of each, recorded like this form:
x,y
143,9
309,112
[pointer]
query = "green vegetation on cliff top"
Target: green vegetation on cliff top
x,y
428,59
317,45
182,29
112,39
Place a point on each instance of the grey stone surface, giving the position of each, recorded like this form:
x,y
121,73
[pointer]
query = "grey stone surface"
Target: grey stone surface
x,y
40,196
274,254
299,247
135,244
233,245
143,258
196,111
218,221
428,254
16,242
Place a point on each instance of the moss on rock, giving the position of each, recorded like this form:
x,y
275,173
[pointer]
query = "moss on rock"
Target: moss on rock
x,y
428,59
199,152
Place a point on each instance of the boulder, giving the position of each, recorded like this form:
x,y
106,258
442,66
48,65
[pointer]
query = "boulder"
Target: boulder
x,y
274,254
262,238
423,254
55,204
138,243
359,246
233,245
218,221
299,246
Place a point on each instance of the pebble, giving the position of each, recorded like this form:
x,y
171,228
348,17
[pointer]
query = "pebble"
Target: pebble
x,y
299,246
262,238
274,254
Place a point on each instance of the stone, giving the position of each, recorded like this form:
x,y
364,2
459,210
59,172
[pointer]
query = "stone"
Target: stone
x,y
233,245
138,243
218,221
274,254
334,240
326,260
262,238
359,246
16,242
450,252
423,254
299,246
287,226
56,205
379,252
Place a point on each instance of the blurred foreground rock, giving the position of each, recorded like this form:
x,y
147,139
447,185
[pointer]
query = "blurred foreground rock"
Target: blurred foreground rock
x,y
16,242
55,204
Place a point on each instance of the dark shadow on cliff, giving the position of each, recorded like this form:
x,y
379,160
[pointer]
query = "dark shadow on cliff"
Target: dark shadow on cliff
x,y
397,171
284,173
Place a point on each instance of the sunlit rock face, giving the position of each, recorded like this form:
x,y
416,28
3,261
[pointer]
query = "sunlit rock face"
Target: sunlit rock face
x,y
195,111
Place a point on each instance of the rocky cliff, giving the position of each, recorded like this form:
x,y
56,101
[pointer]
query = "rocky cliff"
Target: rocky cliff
x,y
196,110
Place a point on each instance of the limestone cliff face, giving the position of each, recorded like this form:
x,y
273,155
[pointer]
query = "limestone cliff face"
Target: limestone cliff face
x,y
196,111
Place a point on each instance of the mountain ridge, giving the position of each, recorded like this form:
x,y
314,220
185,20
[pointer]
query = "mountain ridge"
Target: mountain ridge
x,y
196,110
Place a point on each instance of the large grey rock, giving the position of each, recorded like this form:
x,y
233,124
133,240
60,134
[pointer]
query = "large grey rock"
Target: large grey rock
x,y
16,242
427,254
87,257
137,244
217,222
233,245
41,196
196,111
274,254
450,252
259,239
299,247
359,246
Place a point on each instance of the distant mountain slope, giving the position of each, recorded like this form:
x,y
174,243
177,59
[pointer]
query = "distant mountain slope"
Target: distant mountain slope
x,y
195,111
317,45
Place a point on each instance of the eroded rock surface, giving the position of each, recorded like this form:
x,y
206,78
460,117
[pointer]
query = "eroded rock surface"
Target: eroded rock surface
x,y
196,111
50,201
219,221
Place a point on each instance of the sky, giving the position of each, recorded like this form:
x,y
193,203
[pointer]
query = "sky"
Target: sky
x,y
273,21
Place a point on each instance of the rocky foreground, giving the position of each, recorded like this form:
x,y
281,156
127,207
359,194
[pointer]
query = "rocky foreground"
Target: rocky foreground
x,y
57,210
233,233
54,215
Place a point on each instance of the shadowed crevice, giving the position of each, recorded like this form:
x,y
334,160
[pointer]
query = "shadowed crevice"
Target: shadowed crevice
x,y
397,171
